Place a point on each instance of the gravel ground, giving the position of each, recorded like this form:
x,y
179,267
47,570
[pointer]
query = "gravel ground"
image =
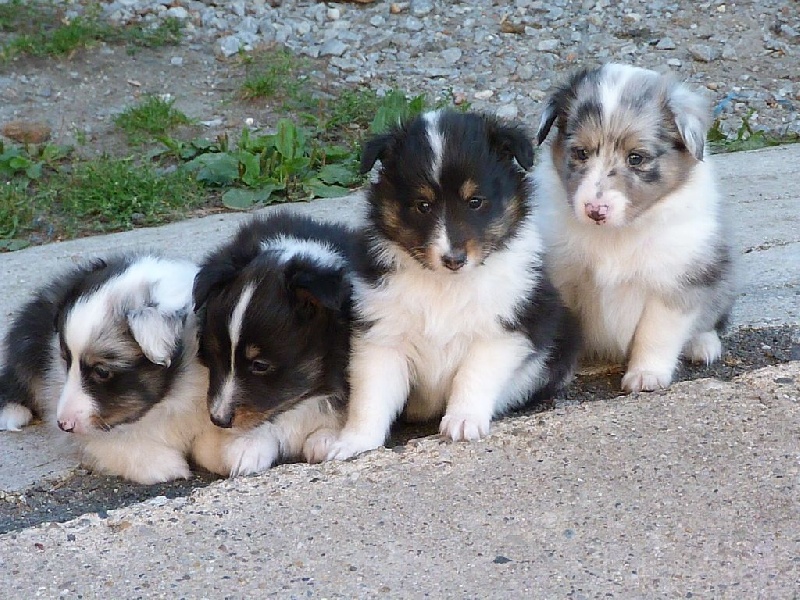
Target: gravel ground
x,y
503,57
82,492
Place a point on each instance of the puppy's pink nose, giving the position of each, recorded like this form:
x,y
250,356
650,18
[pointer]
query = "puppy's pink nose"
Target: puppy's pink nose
x,y
596,212
67,425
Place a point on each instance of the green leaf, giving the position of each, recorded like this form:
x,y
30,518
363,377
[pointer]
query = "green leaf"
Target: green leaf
x,y
340,174
286,139
238,199
19,163
13,245
252,167
336,153
318,189
215,168
34,171
54,152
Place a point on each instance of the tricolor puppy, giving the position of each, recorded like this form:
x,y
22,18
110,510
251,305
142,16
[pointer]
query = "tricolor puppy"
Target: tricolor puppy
x,y
454,315
274,306
631,218
107,353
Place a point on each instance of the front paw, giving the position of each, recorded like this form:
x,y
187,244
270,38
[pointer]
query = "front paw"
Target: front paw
x,y
13,417
705,348
319,444
164,468
464,427
351,444
641,380
251,454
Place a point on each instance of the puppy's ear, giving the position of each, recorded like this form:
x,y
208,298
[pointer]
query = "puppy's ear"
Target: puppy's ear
x,y
157,333
549,117
513,142
374,150
211,276
692,117
313,288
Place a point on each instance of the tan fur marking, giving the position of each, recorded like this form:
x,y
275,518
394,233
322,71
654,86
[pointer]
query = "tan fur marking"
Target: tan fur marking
x,y
468,189
251,351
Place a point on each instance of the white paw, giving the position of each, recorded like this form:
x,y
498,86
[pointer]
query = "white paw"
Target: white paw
x,y
13,417
167,467
464,427
350,444
705,347
319,444
640,380
251,454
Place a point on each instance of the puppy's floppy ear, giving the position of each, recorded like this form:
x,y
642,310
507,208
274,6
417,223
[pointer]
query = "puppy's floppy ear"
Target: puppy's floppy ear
x,y
376,148
209,277
313,287
549,117
692,117
158,333
511,141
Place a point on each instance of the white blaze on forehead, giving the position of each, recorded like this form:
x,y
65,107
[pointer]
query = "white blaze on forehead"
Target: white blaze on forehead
x,y
436,140
85,321
237,318
612,83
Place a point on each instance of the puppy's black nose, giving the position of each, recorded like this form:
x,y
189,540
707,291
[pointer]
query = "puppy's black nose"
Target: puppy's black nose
x,y
454,260
226,421
66,426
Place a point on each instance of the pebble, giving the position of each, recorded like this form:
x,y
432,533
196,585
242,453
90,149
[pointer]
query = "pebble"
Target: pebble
x,y
547,45
703,52
666,44
333,48
176,61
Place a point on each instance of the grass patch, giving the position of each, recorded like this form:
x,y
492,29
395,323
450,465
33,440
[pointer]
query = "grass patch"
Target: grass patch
x,y
273,73
61,200
153,116
41,30
747,138
110,194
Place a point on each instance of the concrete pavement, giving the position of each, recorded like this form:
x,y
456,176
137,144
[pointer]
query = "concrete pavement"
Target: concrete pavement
x,y
690,492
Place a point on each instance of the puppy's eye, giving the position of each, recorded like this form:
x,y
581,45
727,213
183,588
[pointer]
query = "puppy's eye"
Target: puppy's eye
x,y
476,202
580,154
261,367
635,159
423,206
101,373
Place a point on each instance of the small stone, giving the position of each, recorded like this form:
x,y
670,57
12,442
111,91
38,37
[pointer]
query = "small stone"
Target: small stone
x,y
413,24
176,61
674,62
451,55
628,49
703,52
547,45
484,94
666,44
377,21
27,132
230,45
729,52
178,12
508,111
334,14
396,8
420,8
333,48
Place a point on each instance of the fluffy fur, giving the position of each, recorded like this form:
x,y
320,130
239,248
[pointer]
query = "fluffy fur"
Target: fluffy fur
x,y
107,353
274,307
630,213
454,315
